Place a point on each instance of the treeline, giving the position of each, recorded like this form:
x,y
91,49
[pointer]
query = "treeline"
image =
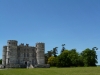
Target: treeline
x,y
0,61
71,58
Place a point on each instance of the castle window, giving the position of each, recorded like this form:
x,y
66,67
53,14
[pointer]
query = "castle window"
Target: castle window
x,y
24,54
27,54
18,61
33,55
18,54
27,50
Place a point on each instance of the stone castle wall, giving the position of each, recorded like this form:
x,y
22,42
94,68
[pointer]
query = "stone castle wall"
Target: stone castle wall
x,y
40,53
21,55
11,54
4,55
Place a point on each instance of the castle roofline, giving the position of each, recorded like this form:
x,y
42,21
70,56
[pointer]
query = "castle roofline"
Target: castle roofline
x,y
4,46
12,40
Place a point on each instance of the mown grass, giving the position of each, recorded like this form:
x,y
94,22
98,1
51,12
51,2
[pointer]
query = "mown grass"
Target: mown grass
x,y
53,71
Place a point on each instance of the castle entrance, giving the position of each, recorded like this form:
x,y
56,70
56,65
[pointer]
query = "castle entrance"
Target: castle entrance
x,y
25,63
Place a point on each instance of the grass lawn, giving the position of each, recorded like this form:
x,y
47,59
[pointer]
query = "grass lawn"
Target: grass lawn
x,y
53,71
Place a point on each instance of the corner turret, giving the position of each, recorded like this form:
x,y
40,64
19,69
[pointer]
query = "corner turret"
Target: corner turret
x,y
40,49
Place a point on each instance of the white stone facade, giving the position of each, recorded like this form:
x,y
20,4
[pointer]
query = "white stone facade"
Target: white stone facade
x,y
21,55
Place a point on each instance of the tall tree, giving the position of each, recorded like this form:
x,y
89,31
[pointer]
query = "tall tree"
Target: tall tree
x,y
74,56
55,52
48,55
63,48
63,60
0,61
46,58
80,60
89,57
94,48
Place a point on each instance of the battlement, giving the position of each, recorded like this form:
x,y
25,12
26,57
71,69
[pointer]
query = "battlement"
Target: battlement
x,y
27,45
4,46
12,41
22,44
40,43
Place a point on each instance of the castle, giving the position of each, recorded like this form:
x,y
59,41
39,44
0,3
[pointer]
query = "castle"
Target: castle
x,y
15,55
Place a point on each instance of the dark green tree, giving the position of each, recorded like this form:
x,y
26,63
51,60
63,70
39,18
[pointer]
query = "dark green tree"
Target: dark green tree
x,y
46,58
89,57
0,61
94,48
80,60
55,52
47,55
63,48
74,57
63,60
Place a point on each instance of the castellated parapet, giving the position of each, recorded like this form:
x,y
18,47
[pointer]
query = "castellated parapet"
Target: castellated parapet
x,y
11,55
15,55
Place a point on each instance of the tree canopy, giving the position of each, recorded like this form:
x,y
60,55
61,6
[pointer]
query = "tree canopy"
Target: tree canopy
x,y
71,57
0,61
89,57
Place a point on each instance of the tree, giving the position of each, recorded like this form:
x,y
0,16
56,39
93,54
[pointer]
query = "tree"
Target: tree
x,y
46,58
47,55
63,48
0,61
89,57
63,60
94,48
73,57
52,61
80,60
55,52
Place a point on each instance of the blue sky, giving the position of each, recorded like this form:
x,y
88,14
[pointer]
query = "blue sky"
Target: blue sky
x,y
75,23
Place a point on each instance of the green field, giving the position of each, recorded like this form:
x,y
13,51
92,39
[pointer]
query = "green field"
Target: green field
x,y
53,71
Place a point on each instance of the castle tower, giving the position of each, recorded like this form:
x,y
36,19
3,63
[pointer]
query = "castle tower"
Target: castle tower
x,y
4,55
40,48
11,55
